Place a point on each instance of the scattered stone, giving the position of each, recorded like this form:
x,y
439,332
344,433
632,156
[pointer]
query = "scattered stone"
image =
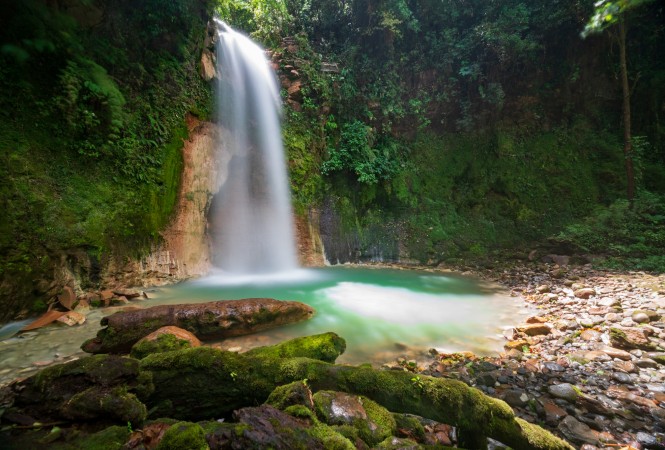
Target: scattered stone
x,y
553,413
72,318
510,334
609,302
535,329
127,293
515,397
598,356
536,320
626,366
590,335
617,353
622,377
646,439
564,391
578,432
646,363
516,345
630,338
584,293
543,289
640,317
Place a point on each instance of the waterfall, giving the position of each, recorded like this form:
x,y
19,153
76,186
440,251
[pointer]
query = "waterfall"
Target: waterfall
x,y
252,220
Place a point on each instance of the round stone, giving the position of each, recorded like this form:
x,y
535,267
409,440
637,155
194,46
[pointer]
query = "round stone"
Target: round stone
x,y
640,317
564,391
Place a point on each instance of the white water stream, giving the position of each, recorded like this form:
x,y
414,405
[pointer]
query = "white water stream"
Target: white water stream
x,y
253,231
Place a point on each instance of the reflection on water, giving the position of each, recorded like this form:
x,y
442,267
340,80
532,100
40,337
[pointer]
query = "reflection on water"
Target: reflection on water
x,y
383,314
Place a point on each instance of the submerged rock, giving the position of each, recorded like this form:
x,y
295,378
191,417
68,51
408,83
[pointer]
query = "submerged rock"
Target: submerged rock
x,y
213,320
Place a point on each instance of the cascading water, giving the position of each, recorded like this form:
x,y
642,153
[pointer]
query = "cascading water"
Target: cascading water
x,y
253,222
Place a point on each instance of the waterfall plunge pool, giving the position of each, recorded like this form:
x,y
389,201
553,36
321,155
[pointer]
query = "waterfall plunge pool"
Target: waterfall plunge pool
x,y
383,314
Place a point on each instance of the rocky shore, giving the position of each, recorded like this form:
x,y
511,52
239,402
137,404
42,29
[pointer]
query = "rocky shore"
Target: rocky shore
x,y
590,366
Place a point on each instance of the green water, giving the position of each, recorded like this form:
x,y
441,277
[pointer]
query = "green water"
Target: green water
x,y
382,313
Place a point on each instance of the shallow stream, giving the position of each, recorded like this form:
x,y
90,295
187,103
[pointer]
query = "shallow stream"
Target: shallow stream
x,y
383,314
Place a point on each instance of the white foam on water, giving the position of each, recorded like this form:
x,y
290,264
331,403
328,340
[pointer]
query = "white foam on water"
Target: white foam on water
x,y
224,279
407,307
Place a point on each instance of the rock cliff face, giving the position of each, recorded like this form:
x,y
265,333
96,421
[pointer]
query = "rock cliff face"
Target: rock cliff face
x,y
185,250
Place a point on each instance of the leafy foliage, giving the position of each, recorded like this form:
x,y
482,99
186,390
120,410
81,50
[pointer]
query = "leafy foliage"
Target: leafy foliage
x,y
358,152
628,237
608,12
92,108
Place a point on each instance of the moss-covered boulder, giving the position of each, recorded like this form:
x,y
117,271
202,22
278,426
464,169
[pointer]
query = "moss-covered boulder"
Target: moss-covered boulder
x,y
99,388
296,393
323,347
373,422
631,338
204,382
267,427
213,320
199,383
184,436
106,404
166,339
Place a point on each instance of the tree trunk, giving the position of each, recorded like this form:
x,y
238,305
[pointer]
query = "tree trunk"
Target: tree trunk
x,y
625,88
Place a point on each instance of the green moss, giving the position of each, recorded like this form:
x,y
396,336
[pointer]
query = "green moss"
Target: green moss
x,y
102,404
373,422
331,438
381,418
393,443
164,343
196,383
324,347
111,438
204,382
411,425
301,412
296,393
104,370
184,435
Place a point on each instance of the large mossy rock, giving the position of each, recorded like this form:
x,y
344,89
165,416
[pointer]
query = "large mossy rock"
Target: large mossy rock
x,y
212,320
199,383
204,382
101,388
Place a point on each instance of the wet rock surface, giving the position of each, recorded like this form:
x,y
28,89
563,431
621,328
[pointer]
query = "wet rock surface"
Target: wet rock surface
x,y
210,320
597,378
